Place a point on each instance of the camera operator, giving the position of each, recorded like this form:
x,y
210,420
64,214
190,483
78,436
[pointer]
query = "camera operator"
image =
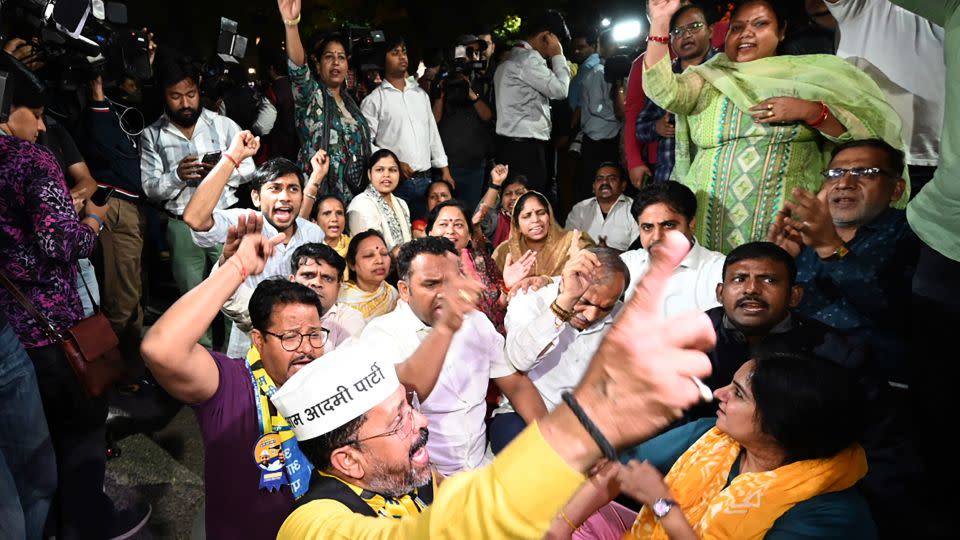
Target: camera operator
x,y
463,119
601,117
171,167
524,86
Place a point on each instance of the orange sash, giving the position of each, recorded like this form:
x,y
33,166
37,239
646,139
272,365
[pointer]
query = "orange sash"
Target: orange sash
x,y
750,505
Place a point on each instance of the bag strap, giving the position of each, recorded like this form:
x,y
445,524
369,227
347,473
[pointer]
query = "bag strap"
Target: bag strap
x,y
45,325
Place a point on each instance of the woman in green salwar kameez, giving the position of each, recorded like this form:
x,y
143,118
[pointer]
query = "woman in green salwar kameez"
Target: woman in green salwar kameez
x,y
751,125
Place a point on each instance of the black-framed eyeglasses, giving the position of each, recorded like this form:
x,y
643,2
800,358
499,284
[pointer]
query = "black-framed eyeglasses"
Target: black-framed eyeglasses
x,y
691,29
291,340
859,173
406,426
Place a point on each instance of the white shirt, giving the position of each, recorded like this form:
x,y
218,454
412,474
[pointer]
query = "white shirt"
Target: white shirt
x,y
364,213
555,358
457,405
619,227
524,87
163,146
343,322
403,122
693,285
279,262
903,53
596,108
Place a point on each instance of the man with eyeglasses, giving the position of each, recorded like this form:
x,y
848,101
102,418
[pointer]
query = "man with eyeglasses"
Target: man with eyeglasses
x,y
314,265
690,33
855,254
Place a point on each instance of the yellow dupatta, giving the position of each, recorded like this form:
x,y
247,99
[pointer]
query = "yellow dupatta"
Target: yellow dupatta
x,y
749,506
552,256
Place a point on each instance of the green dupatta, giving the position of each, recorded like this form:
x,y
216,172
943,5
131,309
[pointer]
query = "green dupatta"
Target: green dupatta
x,y
852,96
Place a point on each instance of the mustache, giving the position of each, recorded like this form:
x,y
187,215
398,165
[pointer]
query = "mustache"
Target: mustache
x,y
420,442
752,299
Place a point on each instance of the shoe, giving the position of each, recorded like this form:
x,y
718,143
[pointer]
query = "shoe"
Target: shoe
x,y
129,521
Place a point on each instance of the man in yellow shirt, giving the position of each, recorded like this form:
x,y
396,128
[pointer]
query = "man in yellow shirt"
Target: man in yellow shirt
x,y
355,425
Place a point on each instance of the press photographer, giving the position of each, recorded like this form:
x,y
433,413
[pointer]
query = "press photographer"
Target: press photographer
x,y
464,118
601,114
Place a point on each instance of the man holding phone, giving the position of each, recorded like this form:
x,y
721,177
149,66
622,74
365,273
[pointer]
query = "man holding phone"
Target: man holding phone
x,y
173,165
690,31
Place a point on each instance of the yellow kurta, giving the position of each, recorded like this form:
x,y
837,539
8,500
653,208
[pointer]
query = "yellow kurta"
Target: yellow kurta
x,y
516,497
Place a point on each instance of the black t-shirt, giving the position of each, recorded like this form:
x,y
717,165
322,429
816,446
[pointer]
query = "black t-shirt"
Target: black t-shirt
x,y
61,143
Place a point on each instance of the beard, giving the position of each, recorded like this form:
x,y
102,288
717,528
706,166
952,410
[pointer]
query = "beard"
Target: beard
x,y
397,480
183,117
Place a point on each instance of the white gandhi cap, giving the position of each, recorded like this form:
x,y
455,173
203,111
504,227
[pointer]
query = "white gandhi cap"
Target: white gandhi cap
x,y
335,388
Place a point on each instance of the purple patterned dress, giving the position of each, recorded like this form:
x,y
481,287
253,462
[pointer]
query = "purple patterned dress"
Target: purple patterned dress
x,y
41,238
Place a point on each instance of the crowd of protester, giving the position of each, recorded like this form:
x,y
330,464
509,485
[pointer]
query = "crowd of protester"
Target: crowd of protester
x,y
526,299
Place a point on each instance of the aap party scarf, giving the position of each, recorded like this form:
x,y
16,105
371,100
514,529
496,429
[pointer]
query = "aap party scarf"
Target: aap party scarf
x,y
749,506
408,505
296,465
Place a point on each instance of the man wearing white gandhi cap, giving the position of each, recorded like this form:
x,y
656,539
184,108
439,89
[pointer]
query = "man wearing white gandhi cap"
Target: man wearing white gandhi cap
x,y
362,431
632,390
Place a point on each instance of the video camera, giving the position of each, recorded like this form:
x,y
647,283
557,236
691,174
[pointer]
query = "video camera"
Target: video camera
x,y
458,73
364,47
81,40
231,46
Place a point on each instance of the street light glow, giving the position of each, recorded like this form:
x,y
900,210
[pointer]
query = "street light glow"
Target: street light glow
x,y
626,31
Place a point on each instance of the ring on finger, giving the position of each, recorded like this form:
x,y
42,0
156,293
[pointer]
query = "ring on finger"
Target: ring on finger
x,y
769,106
769,114
465,296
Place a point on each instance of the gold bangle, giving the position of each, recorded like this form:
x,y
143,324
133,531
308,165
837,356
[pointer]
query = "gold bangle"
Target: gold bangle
x,y
292,22
305,194
569,522
561,313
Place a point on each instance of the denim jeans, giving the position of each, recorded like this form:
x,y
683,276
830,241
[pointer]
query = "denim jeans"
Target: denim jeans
x,y
89,276
28,469
414,192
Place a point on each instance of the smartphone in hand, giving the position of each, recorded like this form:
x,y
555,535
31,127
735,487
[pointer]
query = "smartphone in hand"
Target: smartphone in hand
x,y
211,158
102,195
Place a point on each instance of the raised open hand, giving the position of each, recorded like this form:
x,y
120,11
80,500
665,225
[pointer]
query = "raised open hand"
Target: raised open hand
x,y
249,223
514,271
662,9
289,9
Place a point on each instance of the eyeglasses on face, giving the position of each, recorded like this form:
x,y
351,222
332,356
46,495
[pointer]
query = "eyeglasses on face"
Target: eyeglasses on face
x,y
406,426
290,341
859,173
691,29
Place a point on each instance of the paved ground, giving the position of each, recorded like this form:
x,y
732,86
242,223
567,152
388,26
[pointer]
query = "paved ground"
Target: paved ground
x,y
165,469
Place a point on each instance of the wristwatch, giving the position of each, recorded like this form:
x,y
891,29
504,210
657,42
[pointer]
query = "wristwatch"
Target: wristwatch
x,y
661,507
